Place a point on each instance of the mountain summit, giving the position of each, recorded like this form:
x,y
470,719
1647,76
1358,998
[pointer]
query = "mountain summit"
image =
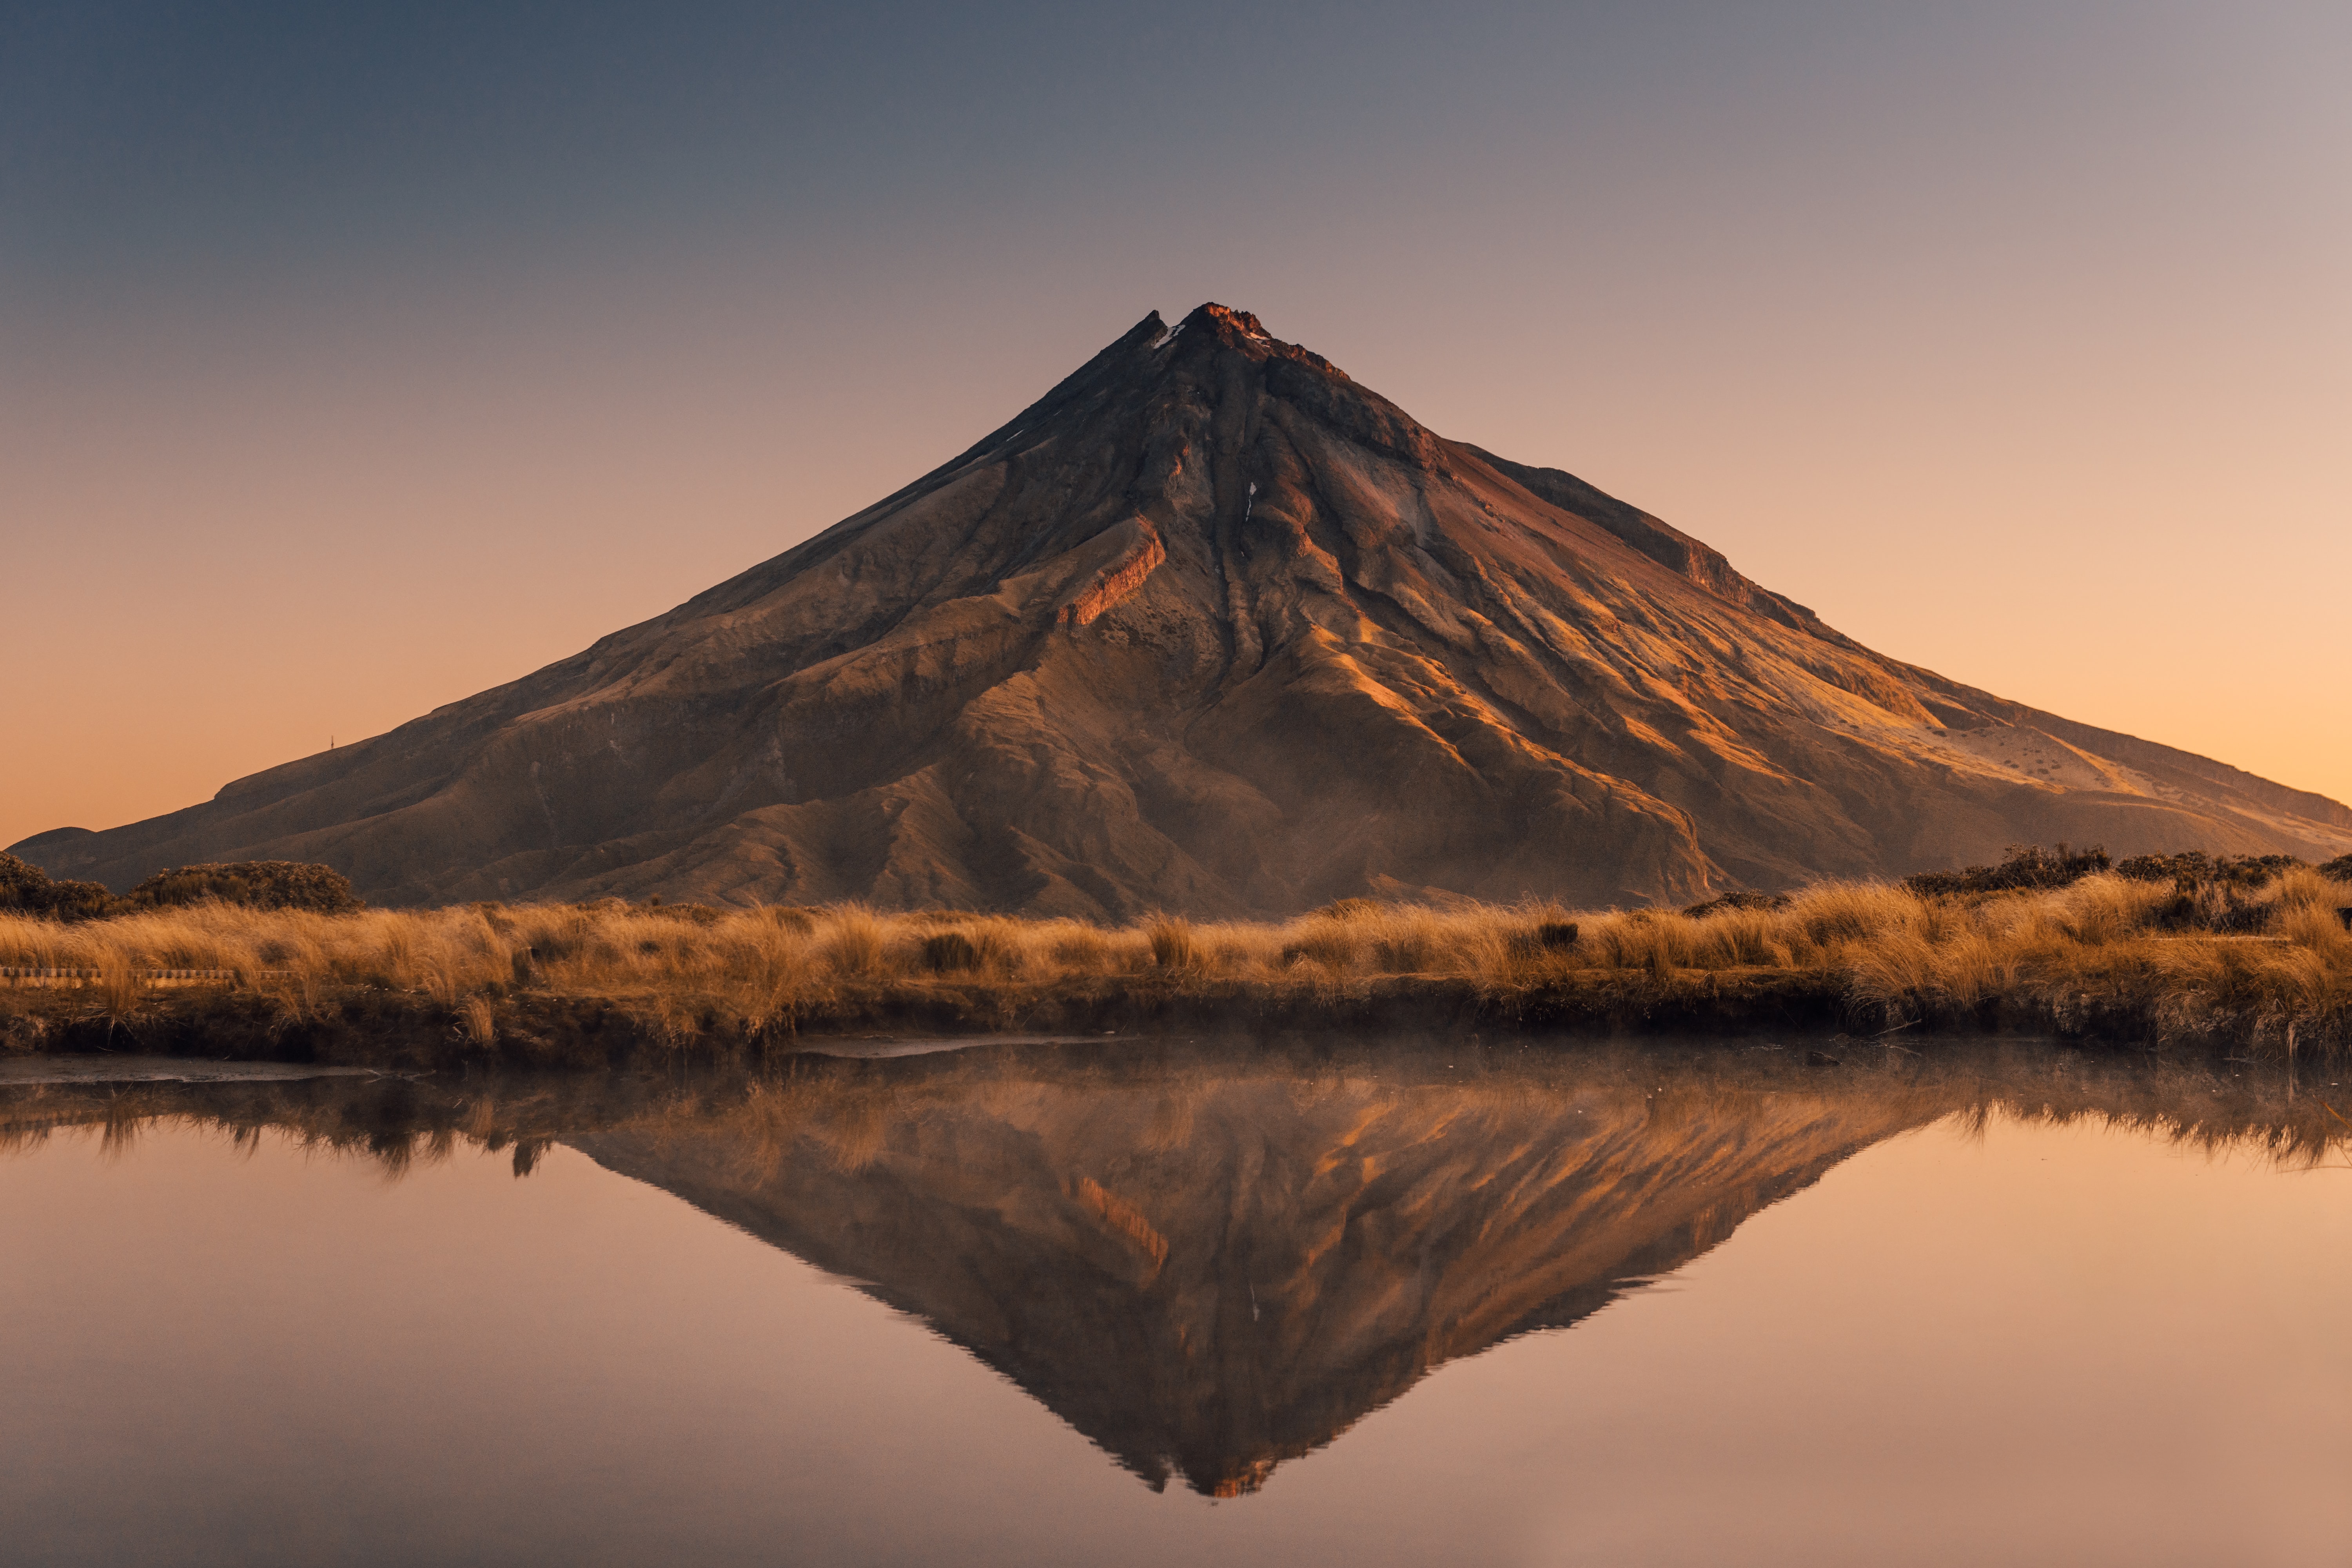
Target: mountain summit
x,y
1212,627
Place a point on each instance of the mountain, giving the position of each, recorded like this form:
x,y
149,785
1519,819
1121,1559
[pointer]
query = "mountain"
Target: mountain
x,y
1212,627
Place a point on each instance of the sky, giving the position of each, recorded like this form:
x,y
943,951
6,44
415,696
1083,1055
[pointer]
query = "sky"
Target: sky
x,y
355,359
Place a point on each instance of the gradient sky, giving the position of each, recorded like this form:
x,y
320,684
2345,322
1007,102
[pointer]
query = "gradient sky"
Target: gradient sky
x,y
355,359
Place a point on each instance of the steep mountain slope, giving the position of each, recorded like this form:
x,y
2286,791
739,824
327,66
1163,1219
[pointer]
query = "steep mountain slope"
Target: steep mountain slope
x,y
1210,627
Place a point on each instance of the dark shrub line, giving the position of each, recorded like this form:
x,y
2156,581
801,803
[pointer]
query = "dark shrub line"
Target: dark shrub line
x,y
25,889
2023,867
1740,901
2030,867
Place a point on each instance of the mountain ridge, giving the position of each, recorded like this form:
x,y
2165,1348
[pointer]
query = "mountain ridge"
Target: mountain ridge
x,y
1212,626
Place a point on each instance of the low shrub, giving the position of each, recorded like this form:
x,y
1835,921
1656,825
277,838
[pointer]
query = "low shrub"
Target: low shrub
x,y
2022,867
253,884
2194,866
25,889
1740,901
2226,907
692,914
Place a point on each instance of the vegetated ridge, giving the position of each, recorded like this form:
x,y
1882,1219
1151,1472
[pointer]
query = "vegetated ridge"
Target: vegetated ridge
x,y
1211,628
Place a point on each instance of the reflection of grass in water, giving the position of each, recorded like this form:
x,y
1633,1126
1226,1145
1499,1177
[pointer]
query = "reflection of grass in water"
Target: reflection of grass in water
x,y
2104,947
851,1110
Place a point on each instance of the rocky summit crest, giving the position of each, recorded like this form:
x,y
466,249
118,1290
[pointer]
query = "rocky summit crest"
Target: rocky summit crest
x,y
1212,626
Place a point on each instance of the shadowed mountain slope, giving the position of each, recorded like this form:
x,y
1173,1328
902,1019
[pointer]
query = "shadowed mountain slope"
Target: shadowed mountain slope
x,y
1212,627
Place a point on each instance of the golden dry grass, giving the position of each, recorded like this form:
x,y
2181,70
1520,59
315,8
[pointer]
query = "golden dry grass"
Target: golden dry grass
x,y
1893,955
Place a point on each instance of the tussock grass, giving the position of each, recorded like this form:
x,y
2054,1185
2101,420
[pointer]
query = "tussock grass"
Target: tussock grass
x,y
2104,952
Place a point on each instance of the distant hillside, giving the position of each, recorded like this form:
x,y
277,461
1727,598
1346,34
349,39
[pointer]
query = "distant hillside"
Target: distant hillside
x,y
1212,627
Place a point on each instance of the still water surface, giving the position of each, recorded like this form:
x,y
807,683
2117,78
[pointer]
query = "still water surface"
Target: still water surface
x,y
1045,1306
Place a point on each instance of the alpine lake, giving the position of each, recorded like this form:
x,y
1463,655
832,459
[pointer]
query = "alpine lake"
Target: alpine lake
x,y
1145,1302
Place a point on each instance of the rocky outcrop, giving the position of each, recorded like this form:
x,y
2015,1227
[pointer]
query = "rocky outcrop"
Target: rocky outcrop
x,y
1210,627
1106,589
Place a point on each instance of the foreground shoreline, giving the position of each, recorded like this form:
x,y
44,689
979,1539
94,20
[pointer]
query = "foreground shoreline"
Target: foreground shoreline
x,y
2263,969
371,1026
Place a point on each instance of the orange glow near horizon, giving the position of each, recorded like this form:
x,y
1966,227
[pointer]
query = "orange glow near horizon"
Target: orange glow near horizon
x,y
2016,349
292,563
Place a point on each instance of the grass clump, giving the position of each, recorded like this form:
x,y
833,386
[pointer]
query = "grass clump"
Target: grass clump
x,y
1172,943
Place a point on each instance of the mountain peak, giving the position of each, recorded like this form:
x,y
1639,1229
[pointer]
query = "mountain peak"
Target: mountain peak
x,y
1227,323
1225,327
1212,627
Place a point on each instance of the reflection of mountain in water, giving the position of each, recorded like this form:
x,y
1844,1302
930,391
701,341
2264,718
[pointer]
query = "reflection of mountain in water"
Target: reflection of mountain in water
x,y
1211,1270
1210,1260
